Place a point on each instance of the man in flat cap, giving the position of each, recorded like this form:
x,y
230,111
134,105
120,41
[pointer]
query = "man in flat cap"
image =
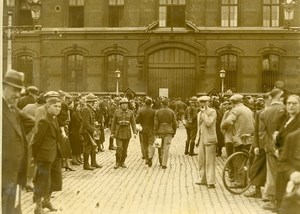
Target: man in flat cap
x,y
32,94
207,135
15,125
241,120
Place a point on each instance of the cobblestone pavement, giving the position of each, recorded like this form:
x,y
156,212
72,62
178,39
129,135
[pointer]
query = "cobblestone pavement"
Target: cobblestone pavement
x,y
140,189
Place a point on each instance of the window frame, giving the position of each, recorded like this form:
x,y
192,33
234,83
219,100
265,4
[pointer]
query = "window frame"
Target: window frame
x,y
163,10
66,71
111,78
278,72
230,5
79,4
270,14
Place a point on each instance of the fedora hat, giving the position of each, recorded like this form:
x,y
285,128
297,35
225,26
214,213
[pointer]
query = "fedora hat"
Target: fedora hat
x,y
14,78
91,98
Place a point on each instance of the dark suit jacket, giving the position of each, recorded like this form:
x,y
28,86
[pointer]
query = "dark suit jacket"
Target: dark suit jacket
x,y
88,120
15,126
145,117
46,141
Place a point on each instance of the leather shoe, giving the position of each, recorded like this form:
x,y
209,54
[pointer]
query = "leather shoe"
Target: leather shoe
x,y
96,166
88,167
47,204
200,183
149,162
112,148
163,167
270,206
211,186
123,165
116,166
193,154
254,194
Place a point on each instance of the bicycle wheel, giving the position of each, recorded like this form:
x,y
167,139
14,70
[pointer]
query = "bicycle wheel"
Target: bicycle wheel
x,y
236,173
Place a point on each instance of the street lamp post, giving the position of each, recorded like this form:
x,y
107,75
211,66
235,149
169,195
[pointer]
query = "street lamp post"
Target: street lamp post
x,y
118,75
11,31
222,76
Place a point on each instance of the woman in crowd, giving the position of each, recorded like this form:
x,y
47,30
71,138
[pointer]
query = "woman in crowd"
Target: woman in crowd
x,y
290,124
46,152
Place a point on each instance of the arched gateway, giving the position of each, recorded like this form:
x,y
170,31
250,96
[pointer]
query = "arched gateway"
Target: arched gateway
x,y
173,69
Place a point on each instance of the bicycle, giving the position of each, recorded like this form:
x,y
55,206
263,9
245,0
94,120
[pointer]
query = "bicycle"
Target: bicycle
x,y
237,169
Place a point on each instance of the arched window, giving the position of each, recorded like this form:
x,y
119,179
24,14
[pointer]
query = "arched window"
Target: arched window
x,y
229,63
25,64
74,74
114,62
270,71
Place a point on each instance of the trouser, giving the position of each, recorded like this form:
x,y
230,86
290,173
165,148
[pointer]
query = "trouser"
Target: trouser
x,y
143,147
9,198
207,163
237,165
191,133
258,170
121,152
229,151
163,152
87,145
148,140
270,187
31,166
48,178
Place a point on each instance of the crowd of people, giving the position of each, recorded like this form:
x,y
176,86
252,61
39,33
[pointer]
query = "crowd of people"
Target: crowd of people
x,y
45,132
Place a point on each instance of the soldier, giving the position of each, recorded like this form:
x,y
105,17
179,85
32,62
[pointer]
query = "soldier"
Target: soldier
x,y
90,133
114,105
120,129
165,127
191,127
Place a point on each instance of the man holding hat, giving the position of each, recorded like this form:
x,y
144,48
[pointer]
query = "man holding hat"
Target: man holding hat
x,y
89,132
191,127
206,120
120,129
33,92
241,120
15,125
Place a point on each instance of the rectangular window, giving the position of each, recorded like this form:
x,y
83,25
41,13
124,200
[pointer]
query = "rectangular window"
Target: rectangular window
x,y
116,10
76,13
229,13
25,17
271,10
172,13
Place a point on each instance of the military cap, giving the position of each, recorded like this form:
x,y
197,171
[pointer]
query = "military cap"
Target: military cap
x,y
32,89
91,98
117,99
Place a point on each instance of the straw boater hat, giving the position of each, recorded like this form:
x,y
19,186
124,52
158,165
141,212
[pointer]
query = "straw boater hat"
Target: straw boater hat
x,y
204,98
14,78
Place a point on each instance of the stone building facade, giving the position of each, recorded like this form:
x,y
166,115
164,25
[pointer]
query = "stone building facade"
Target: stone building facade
x,y
178,45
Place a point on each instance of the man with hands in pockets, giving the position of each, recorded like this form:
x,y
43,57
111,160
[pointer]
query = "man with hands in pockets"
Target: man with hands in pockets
x,y
120,129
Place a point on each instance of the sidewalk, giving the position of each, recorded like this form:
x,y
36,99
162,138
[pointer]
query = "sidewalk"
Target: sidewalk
x,y
140,189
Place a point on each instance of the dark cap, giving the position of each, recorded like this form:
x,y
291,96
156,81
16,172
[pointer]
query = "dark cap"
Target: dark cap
x,y
165,101
275,92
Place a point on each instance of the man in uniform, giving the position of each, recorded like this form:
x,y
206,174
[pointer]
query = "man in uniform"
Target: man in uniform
x,y
90,133
15,125
114,105
120,129
165,127
191,127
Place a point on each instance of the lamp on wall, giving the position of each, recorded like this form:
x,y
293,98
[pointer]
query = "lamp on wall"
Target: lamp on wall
x,y
118,75
289,8
11,31
222,76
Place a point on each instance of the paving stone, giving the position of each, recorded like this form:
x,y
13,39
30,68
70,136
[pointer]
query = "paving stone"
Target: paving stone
x,y
146,190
